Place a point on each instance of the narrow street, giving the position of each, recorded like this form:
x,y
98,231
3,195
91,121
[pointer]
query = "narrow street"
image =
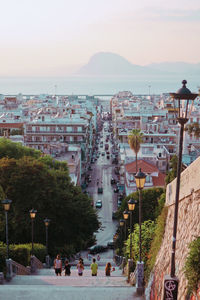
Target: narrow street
x,y
102,172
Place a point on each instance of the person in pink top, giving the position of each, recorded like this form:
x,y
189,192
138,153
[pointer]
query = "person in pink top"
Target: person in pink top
x,y
80,267
58,265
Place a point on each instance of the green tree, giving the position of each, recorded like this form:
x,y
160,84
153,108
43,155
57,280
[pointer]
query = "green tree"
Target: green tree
x,y
32,183
16,150
151,204
135,140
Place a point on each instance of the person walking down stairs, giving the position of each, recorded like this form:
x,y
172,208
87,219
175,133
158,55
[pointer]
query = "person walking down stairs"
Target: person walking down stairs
x,y
94,267
80,267
58,265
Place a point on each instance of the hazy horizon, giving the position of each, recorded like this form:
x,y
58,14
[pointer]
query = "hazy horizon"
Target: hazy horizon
x,y
55,37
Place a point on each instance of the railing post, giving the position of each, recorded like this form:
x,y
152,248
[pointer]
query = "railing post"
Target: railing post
x,y
9,270
33,264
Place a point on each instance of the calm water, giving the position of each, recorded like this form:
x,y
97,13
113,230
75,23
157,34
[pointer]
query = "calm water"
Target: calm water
x,y
93,85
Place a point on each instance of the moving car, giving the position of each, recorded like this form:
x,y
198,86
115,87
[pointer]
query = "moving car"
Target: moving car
x,y
110,244
98,204
97,248
100,190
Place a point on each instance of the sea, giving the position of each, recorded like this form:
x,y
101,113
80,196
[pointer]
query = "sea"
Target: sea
x,y
79,85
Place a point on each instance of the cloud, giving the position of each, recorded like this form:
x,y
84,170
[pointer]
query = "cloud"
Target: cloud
x,y
169,15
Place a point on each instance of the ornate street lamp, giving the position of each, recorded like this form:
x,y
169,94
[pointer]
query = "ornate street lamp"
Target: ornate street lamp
x,y
6,204
140,179
183,102
125,215
32,215
121,222
131,207
46,223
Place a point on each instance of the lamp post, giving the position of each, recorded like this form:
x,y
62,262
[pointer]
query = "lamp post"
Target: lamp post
x,y
32,215
125,215
6,204
140,179
121,223
131,207
46,223
183,102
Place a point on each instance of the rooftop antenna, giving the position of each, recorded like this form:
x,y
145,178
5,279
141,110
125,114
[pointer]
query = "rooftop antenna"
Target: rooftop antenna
x,y
55,86
149,89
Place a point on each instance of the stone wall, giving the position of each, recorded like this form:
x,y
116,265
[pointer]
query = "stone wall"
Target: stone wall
x,y
188,229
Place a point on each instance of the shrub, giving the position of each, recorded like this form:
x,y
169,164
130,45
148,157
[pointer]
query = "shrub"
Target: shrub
x,y
21,254
2,257
192,266
148,228
156,242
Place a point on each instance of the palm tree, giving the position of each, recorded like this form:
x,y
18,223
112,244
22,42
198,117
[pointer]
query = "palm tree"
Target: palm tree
x,y
135,140
193,129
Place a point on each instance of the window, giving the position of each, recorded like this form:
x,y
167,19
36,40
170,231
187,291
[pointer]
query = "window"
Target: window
x,y
80,128
69,129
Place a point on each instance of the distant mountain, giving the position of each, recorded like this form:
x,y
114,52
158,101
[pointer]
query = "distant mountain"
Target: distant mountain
x,y
177,67
110,64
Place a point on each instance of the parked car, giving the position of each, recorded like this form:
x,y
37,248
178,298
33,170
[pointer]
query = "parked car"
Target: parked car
x,y
112,181
116,190
119,203
110,244
98,204
114,217
97,248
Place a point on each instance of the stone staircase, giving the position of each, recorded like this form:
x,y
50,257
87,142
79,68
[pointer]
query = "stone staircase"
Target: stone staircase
x,y
47,286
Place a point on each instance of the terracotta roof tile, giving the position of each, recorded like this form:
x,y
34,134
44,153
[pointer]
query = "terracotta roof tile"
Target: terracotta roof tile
x,y
146,167
159,181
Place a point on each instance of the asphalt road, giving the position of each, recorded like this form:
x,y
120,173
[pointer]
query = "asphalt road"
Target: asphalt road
x,y
102,170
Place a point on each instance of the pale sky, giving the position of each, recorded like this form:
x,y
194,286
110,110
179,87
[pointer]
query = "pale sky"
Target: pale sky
x,y
41,37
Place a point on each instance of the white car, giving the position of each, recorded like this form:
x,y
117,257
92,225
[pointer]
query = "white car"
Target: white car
x,y
98,204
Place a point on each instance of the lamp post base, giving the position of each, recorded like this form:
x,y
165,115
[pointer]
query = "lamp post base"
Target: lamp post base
x,y
130,267
170,288
47,259
140,278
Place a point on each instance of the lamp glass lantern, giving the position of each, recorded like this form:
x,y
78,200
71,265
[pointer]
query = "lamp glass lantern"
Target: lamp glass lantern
x,y
32,213
125,214
131,204
121,222
6,204
140,179
183,101
47,222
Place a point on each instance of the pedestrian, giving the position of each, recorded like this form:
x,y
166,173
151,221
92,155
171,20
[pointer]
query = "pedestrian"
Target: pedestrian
x,y
81,260
58,265
94,267
80,267
98,257
67,268
108,269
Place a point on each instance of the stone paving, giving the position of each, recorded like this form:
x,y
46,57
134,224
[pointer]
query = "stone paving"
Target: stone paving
x,y
47,286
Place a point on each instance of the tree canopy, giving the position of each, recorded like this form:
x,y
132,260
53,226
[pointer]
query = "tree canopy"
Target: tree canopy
x,y
44,184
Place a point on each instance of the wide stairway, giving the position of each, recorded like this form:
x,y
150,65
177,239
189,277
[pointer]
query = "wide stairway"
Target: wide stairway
x,y
47,286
